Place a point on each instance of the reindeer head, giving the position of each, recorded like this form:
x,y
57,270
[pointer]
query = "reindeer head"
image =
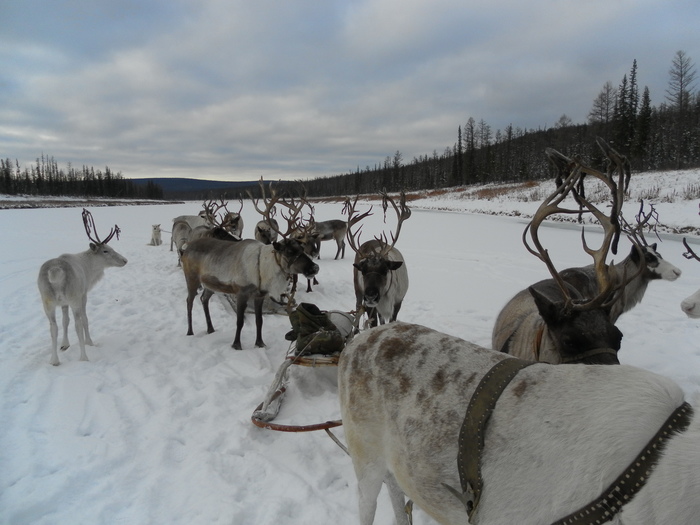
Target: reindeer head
x,y
290,252
643,254
99,247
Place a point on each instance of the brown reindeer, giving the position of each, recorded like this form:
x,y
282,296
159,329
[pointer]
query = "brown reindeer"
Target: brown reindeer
x,y
380,276
245,269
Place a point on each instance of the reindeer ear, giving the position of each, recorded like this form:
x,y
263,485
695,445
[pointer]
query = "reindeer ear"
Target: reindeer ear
x,y
277,246
634,254
93,247
394,265
549,310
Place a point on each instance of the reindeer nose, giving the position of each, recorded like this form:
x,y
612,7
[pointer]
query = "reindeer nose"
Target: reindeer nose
x,y
371,298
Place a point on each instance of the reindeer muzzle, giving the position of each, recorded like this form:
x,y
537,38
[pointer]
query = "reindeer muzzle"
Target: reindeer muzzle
x,y
312,272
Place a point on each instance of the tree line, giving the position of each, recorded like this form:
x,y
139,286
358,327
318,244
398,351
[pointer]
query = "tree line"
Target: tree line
x,y
46,178
661,137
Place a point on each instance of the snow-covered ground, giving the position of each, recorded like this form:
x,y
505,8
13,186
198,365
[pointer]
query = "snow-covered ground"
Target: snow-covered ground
x,y
155,428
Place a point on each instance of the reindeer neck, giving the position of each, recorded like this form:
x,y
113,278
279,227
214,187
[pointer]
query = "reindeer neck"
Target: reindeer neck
x,y
635,289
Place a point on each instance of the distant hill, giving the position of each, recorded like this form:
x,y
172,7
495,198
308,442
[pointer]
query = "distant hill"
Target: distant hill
x,y
197,189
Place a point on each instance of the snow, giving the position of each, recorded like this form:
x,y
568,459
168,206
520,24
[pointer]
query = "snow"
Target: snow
x,y
156,427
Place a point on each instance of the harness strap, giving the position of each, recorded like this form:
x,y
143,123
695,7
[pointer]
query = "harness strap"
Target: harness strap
x,y
471,435
590,353
631,481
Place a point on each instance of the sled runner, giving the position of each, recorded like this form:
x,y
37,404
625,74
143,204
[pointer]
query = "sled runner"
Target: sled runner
x,y
317,338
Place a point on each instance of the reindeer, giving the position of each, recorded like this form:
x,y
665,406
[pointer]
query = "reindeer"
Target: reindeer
x,y
266,232
266,229
66,280
308,238
219,225
331,230
644,262
232,221
202,219
244,269
553,320
156,239
557,435
380,276
180,235
691,304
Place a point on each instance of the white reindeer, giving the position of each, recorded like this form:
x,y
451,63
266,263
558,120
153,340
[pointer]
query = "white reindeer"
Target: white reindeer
x,y
203,219
66,280
557,437
156,239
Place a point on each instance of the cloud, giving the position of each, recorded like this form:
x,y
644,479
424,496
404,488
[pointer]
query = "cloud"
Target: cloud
x,y
235,90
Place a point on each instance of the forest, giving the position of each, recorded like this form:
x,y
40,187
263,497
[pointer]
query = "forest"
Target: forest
x,y
662,137
46,178
653,137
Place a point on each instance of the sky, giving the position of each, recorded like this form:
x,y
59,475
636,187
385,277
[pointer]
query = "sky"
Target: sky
x,y
236,90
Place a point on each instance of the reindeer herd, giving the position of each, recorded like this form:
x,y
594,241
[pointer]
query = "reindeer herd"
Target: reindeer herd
x,y
553,444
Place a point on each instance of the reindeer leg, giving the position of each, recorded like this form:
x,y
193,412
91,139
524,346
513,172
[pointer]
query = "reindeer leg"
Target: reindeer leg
x,y
80,320
259,321
395,314
88,339
308,285
206,295
53,327
369,483
398,500
190,301
241,305
66,321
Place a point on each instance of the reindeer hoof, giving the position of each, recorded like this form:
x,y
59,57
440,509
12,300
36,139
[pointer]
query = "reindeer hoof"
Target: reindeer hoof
x,y
236,346
260,344
64,348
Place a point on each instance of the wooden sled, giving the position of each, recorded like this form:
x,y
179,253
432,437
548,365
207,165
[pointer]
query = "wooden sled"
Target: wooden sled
x,y
267,411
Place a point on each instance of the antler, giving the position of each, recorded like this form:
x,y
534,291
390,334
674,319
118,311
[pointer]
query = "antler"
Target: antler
x,y
689,254
349,208
636,233
211,210
403,214
295,216
89,223
610,223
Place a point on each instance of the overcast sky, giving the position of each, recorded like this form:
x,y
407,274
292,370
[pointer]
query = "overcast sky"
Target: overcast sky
x,y
235,90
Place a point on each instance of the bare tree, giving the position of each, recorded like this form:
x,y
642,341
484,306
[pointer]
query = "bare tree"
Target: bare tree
x,y
603,105
680,85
